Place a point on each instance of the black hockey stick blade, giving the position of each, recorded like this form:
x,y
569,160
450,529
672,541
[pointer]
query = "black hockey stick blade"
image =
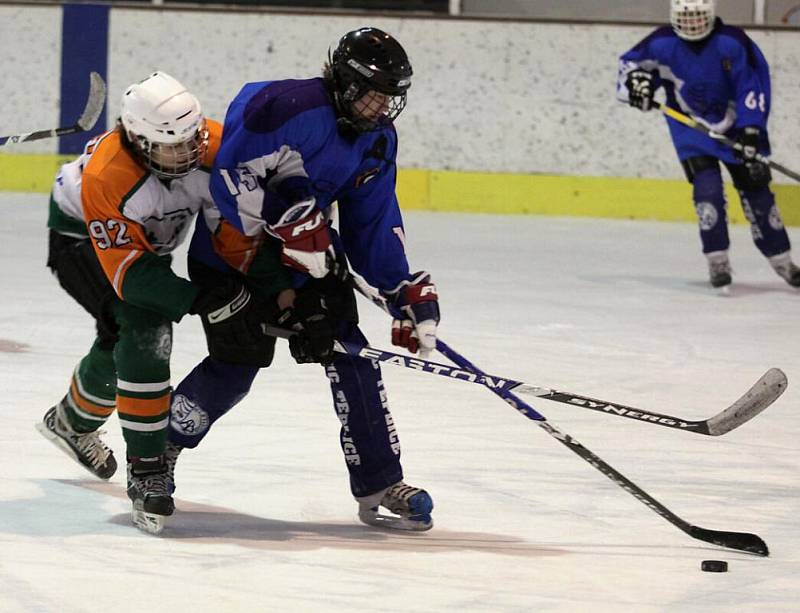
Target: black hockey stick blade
x,y
743,541
763,393
91,113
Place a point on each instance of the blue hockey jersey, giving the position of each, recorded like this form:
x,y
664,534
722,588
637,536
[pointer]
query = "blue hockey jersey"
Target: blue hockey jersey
x,y
722,81
281,145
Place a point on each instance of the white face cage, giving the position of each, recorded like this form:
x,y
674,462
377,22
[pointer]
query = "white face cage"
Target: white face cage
x,y
692,19
172,160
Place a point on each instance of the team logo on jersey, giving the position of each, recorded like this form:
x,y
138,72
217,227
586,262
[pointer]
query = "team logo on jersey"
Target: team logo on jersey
x,y
727,64
707,214
186,417
775,221
366,177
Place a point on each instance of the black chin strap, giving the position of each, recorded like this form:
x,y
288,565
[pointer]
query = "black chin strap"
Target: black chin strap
x,y
347,129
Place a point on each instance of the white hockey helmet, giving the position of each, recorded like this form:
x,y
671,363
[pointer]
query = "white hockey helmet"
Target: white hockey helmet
x,y
164,125
692,19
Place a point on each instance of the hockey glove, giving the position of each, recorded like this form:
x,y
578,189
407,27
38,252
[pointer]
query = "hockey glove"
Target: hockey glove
x,y
232,325
419,302
309,318
640,89
337,290
747,151
306,239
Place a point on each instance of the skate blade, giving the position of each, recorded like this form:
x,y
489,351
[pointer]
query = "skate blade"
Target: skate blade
x,y
58,442
147,522
63,446
416,523
725,290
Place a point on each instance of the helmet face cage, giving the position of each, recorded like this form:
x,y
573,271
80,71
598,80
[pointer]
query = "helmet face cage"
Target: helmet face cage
x,y
692,19
171,160
164,126
372,109
371,74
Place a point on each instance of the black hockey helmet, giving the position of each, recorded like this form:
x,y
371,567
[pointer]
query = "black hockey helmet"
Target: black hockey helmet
x,y
365,60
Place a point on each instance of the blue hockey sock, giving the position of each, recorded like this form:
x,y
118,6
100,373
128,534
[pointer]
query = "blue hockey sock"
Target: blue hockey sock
x,y
205,395
766,224
711,208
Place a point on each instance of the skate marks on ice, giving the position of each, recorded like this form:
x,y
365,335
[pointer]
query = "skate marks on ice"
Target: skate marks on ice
x,y
9,346
211,524
698,286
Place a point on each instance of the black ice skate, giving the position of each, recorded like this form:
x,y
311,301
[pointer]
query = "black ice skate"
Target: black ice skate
x,y
171,453
786,269
719,269
412,507
86,448
147,489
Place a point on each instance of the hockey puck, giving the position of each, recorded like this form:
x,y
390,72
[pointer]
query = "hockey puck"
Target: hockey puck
x,y
714,566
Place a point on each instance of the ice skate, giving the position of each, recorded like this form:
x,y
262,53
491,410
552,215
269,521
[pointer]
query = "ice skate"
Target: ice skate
x,y
411,507
719,270
171,453
86,448
147,489
786,269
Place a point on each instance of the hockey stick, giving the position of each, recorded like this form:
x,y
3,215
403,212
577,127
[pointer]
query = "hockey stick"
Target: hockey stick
x,y
696,125
761,395
94,106
742,541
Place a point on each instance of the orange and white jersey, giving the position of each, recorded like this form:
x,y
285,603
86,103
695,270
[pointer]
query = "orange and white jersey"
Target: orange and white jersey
x,y
108,180
128,211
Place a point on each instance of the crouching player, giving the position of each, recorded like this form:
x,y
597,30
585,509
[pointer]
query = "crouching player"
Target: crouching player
x,y
291,149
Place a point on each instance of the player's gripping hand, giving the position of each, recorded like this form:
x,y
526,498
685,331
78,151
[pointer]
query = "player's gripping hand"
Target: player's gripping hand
x,y
747,152
310,319
306,239
232,325
748,143
640,89
419,302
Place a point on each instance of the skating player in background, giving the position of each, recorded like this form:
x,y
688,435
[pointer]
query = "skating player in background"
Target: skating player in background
x,y
718,75
116,213
290,149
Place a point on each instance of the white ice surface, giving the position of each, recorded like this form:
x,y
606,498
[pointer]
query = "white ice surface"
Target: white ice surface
x,y
265,522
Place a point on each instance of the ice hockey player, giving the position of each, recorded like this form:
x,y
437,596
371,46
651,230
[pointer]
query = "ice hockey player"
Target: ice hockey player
x,y
718,75
290,149
116,213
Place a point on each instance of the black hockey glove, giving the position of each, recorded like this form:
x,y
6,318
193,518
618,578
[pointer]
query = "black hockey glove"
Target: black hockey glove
x,y
748,143
747,151
337,289
640,89
310,319
232,324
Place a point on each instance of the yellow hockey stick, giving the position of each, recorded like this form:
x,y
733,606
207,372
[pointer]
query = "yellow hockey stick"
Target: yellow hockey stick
x,y
695,125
